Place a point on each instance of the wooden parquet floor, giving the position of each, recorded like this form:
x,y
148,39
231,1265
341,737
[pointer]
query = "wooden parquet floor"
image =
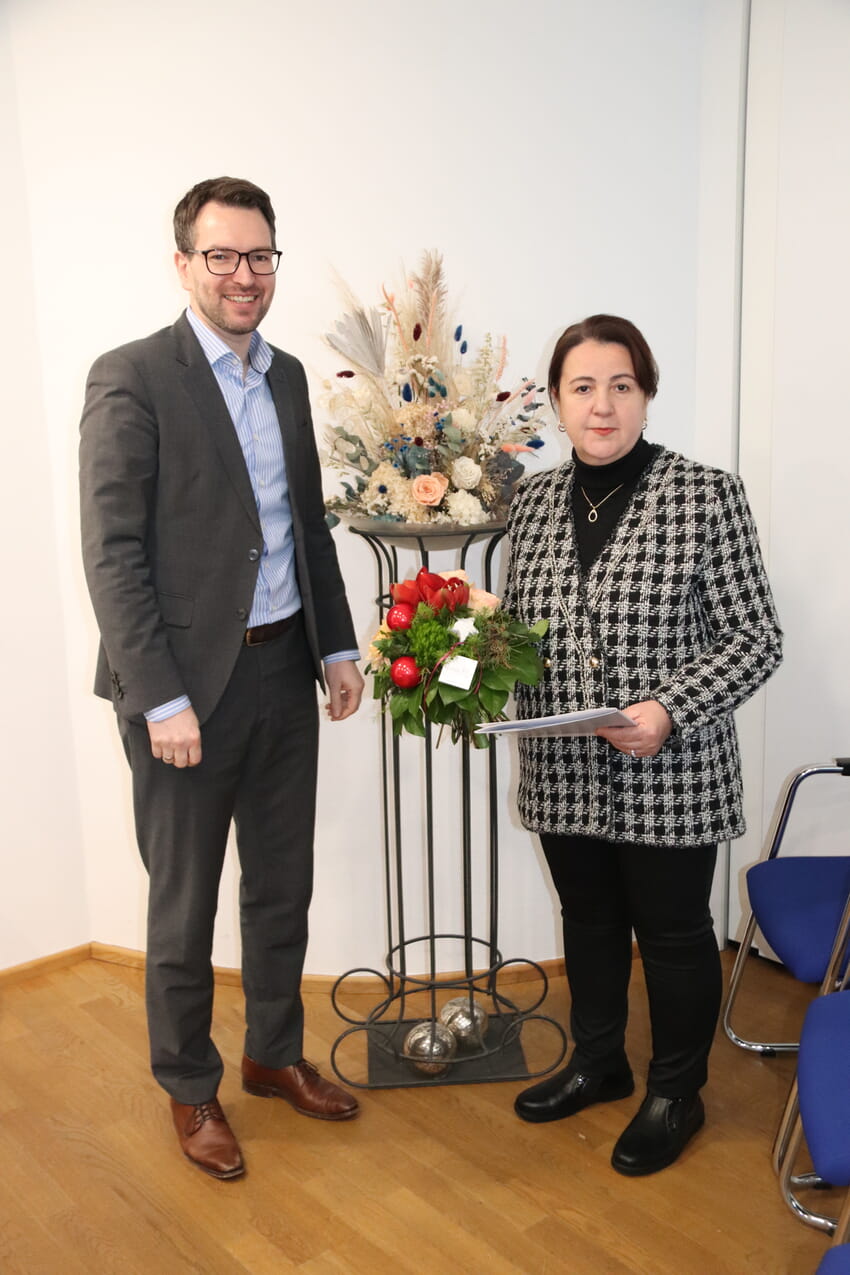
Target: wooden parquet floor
x,y
442,1179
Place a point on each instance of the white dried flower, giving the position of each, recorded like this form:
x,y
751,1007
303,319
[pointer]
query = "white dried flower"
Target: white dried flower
x,y
463,420
466,474
465,509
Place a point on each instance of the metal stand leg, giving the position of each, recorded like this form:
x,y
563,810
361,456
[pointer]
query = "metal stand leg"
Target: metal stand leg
x,y
488,1024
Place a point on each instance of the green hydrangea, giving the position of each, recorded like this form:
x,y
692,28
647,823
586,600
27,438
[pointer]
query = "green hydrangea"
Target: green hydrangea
x,y
429,639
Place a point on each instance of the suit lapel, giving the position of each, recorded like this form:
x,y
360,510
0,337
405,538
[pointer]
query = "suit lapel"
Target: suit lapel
x,y
202,387
282,396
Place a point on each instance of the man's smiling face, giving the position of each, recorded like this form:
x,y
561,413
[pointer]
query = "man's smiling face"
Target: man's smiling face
x,y
232,305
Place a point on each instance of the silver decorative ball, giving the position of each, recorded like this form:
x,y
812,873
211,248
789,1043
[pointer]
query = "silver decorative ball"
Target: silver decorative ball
x,y
430,1047
467,1022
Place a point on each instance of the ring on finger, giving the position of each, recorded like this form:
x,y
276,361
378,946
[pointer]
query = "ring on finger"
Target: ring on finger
x,y
164,758
634,754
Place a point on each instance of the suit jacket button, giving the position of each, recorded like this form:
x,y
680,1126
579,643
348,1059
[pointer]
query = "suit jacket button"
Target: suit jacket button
x,y
253,555
241,613
594,661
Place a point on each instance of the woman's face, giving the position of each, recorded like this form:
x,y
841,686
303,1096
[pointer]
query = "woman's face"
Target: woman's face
x,y
600,403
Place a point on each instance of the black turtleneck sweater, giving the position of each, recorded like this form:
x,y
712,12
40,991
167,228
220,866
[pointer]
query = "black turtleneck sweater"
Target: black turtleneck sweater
x,y
592,484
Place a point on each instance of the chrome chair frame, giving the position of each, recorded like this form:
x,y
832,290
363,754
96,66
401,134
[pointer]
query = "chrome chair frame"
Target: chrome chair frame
x,y
776,834
791,1134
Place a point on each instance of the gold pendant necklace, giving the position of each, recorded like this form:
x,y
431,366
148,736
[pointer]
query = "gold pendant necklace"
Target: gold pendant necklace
x,y
593,515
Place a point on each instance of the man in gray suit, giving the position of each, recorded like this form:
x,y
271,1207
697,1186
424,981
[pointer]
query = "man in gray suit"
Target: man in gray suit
x,y
219,600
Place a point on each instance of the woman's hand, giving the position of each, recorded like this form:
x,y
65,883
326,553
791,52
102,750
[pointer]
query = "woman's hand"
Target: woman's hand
x,y
651,727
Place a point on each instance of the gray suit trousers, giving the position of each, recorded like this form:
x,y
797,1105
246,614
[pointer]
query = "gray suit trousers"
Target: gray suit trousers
x,y
260,749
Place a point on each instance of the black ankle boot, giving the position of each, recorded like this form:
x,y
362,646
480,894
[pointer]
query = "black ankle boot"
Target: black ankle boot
x,y
658,1134
570,1091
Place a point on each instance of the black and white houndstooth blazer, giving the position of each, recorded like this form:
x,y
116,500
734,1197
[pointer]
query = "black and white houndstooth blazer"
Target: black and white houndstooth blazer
x,y
677,608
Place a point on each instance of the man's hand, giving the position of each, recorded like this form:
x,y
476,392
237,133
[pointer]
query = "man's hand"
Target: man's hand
x,y
651,727
177,740
345,687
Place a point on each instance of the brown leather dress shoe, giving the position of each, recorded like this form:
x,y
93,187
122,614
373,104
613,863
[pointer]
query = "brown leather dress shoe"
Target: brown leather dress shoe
x,y
206,1138
302,1086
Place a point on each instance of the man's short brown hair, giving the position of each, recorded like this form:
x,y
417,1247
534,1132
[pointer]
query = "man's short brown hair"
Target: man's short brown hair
x,y
232,191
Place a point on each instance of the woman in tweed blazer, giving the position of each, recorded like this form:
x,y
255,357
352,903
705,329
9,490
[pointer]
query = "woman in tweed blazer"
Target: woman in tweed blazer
x,y
648,568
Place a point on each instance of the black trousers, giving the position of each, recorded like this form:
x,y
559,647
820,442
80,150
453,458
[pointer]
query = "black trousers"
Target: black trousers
x,y
258,770
608,889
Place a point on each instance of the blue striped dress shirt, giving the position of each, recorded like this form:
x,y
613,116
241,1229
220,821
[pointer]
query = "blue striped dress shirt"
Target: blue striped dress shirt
x,y
251,406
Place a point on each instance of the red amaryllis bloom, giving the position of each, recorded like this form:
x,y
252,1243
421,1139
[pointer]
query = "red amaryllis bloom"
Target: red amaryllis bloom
x,y
437,590
406,591
440,592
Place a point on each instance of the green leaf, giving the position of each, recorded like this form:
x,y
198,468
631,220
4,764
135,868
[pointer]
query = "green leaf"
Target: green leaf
x,y
526,664
399,705
414,725
451,694
493,701
499,679
440,712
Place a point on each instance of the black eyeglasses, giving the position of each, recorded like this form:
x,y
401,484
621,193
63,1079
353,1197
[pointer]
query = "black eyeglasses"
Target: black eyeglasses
x,y
227,260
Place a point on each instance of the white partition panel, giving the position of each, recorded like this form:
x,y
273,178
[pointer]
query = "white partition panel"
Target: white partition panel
x,y
795,418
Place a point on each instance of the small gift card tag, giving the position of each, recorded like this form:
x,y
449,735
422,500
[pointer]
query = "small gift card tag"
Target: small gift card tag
x,y
459,671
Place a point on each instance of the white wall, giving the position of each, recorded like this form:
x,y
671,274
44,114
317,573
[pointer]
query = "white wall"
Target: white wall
x,y
566,158
42,899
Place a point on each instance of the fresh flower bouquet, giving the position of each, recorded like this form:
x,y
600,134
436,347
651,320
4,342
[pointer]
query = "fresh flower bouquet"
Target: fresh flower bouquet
x,y
447,653
423,436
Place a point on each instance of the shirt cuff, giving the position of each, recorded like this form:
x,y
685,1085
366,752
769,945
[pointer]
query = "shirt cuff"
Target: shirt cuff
x,y
170,709
340,655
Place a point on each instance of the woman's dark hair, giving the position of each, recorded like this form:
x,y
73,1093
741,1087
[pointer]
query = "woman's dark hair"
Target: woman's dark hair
x,y
232,191
608,329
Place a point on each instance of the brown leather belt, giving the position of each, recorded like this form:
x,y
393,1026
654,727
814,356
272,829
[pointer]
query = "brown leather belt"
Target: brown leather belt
x,y
261,633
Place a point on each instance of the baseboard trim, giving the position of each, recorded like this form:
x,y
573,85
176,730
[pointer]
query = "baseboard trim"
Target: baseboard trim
x,y
44,965
228,977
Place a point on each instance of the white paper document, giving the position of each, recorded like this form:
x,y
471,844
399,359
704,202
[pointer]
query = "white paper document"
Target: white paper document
x,y
584,722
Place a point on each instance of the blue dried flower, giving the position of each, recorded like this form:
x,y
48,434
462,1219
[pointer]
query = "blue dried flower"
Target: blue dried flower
x,y
463,346
536,442
407,393
459,333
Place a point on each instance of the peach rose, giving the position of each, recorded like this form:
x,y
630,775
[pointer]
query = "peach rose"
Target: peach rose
x,y
429,489
375,658
481,600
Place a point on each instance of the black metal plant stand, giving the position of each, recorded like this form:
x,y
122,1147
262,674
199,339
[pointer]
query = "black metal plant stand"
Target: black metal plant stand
x,y
491,1047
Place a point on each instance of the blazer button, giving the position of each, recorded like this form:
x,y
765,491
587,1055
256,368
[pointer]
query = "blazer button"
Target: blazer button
x,y
594,661
241,613
547,663
253,555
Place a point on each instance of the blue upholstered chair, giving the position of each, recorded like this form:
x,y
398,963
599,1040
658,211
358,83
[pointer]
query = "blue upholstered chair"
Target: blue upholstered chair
x,y
818,1113
800,904
835,1261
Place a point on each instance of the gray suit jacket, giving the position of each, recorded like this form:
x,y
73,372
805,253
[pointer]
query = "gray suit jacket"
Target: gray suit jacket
x,y
170,531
